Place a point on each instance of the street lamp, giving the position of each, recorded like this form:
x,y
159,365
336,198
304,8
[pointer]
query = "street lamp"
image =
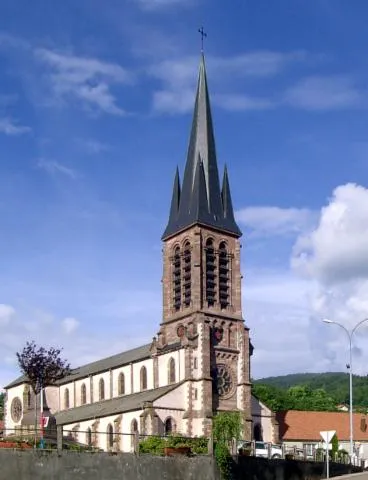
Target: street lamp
x,y
350,334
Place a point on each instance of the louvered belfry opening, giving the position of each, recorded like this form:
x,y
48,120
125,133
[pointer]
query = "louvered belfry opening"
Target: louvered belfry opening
x,y
223,275
210,273
177,279
187,274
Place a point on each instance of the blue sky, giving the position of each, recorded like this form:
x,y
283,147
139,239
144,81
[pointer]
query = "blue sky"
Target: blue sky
x,y
95,110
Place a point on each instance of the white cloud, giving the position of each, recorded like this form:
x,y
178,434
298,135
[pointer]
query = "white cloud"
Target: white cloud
x,y
153,5
9,127
93,147
269,220
70,325
337,250
325,93
178,77
6,314
240,102
53,167
85,79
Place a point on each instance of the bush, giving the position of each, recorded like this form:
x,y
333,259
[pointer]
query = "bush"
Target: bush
x,y
223,459
155,445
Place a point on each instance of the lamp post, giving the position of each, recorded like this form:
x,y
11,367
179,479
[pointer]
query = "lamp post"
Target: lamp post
x,y
350,334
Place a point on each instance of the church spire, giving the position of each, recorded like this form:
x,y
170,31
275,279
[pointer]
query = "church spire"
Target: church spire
x,y
202,202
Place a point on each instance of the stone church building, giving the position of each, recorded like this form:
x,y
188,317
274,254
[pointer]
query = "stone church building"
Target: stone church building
x,y
198,363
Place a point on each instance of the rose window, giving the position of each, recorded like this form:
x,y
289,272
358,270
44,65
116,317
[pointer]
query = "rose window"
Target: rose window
x,y
16,409
224,381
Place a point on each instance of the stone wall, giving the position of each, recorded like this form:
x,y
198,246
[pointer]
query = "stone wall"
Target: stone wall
x,y
30,465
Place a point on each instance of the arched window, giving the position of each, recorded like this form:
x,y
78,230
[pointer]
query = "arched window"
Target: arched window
x,y
177,279
101,389
121,384
110,436
169,426
210,273
89,437
187,274
171,371
83,394
223,275
133,431
29,398
143,378
66,398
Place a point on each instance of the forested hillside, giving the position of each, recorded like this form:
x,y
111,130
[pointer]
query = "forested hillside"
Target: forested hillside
x,y
311,391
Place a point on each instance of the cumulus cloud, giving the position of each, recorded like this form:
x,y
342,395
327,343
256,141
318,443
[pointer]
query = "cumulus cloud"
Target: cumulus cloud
x,y
337,250
86,79
271,220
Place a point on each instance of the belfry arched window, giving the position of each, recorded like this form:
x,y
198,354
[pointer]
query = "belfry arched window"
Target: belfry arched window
x,y
121,384
171,371
187,274
223,275
143,378
101,389
210,273
83,394
66,398
177,279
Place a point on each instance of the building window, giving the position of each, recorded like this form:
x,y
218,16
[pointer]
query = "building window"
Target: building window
x,y
187,274
110,436
134,431
66,398
89,436
83,394
195,362
195,394
223,275
121,384
169,426
177,279
210,273
143,378
101,389
171,371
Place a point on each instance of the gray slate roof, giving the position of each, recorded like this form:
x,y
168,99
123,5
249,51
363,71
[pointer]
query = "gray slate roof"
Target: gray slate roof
x,y
114,406
134,355
200,199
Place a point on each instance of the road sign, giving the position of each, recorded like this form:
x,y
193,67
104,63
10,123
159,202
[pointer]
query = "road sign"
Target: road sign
x,y
327,435
325,446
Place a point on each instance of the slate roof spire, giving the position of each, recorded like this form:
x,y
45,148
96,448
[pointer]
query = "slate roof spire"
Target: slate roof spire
x,y
200,200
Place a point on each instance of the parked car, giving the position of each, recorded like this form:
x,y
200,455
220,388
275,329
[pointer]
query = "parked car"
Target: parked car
x,y
261,449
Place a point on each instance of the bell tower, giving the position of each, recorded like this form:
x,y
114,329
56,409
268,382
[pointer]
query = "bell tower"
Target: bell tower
x,y
202,280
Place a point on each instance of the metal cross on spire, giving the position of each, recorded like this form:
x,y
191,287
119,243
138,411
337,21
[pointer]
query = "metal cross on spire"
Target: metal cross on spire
x,y
203,34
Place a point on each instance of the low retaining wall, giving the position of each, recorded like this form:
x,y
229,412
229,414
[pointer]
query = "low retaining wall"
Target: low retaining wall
x,y
35,464
42,465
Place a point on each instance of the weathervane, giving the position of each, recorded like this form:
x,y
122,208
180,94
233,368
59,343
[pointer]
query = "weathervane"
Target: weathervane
x,y
203,34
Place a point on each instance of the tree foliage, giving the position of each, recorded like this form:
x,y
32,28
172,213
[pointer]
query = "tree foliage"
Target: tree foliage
x,y
42,366
297,397
336,385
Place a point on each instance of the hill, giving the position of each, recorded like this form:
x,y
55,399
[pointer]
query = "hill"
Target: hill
x,y
335,386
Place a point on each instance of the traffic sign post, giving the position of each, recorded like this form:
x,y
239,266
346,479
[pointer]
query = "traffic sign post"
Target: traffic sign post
x,y
327,436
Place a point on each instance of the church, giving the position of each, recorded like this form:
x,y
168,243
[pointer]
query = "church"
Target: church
x,y
198,363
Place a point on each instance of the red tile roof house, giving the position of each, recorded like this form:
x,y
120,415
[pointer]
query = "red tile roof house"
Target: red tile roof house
x,y
299,429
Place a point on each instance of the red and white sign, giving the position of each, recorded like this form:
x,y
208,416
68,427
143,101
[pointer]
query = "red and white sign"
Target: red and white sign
x,y
44,421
